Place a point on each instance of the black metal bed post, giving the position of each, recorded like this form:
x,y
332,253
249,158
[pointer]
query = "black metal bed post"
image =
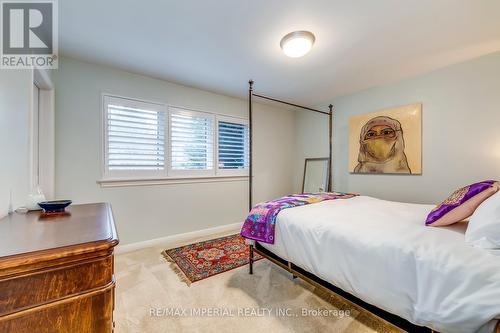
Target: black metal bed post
x,y
250,166
250,260
250,145
330,153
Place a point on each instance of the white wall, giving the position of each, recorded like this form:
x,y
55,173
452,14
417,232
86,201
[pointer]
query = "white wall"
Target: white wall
x,y
311,141
147,212
461,131
15,106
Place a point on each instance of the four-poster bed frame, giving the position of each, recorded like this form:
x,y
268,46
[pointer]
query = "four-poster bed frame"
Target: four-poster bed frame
x,y
289,266
251,94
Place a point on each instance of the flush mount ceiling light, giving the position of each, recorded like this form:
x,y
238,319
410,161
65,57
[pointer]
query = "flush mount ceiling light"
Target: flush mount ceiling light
x,y
297,44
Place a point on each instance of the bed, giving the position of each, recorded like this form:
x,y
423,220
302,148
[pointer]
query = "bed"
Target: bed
x,y
381,252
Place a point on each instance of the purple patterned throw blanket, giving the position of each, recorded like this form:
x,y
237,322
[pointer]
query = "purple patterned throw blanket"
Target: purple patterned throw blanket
x,y
260,223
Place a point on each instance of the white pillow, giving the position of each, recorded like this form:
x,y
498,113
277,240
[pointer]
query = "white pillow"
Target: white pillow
x,y
484,225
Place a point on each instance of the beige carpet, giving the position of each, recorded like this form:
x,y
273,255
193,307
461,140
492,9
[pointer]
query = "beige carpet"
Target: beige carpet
x,y
146,285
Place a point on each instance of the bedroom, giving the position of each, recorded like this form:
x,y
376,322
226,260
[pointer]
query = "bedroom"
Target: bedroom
x,y
146,121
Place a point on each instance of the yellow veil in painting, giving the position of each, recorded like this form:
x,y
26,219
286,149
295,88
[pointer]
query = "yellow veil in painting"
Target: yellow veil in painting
x,y
381,147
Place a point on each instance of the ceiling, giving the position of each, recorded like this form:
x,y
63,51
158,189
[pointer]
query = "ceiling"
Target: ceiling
x,y
218,45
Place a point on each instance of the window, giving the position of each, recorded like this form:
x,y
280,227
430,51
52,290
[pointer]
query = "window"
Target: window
x,y
148,141
232,145
191,142
135,138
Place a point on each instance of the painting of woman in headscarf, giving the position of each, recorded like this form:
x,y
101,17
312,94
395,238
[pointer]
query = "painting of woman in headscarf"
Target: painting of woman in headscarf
x,y
387,141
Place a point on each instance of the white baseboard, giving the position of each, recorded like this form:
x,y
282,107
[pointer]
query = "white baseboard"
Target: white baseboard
x,y
176,240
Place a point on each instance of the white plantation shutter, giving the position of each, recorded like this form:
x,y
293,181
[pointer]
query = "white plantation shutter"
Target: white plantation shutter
x,y
191,141
232,145
149,141
135,136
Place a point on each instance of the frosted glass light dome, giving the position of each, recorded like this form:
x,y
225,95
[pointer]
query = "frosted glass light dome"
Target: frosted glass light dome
x,y
297,44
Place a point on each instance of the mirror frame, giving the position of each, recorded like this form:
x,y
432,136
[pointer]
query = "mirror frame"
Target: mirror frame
x,y
305,168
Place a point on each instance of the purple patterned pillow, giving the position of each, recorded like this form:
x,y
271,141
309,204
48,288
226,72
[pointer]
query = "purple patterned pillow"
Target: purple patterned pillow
x,y
461,203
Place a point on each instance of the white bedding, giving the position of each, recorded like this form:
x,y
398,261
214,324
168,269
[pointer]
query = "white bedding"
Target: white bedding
x,y
381,252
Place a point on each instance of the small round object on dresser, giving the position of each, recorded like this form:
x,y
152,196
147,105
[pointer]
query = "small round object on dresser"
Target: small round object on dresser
x,y
54,206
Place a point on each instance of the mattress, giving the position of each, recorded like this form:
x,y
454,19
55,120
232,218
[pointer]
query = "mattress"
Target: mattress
x,y
381,252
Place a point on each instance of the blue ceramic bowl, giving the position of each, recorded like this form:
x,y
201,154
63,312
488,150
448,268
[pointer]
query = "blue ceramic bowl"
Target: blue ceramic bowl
x,y
54,206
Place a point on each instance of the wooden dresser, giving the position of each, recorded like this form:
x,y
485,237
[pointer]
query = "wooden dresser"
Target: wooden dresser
x,y
56,272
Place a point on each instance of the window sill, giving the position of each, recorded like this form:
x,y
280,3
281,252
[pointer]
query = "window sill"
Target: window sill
x,y
110,182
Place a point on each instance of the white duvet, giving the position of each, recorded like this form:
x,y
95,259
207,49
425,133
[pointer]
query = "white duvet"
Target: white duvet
x,y
381,252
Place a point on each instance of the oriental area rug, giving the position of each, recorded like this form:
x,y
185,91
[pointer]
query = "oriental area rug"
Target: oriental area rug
x,y
198,261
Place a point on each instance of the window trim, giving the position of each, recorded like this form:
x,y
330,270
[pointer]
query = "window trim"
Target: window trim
x,y
167,176
42,174
169,181
228,172
35,136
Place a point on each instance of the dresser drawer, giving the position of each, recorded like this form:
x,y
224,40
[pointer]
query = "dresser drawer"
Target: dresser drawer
x,y
86,313
54,283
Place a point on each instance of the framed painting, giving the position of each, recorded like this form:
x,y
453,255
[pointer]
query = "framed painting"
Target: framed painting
x,y
387,141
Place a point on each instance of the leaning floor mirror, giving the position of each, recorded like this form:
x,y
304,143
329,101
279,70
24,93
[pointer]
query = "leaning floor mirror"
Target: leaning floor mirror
x,y
315,175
